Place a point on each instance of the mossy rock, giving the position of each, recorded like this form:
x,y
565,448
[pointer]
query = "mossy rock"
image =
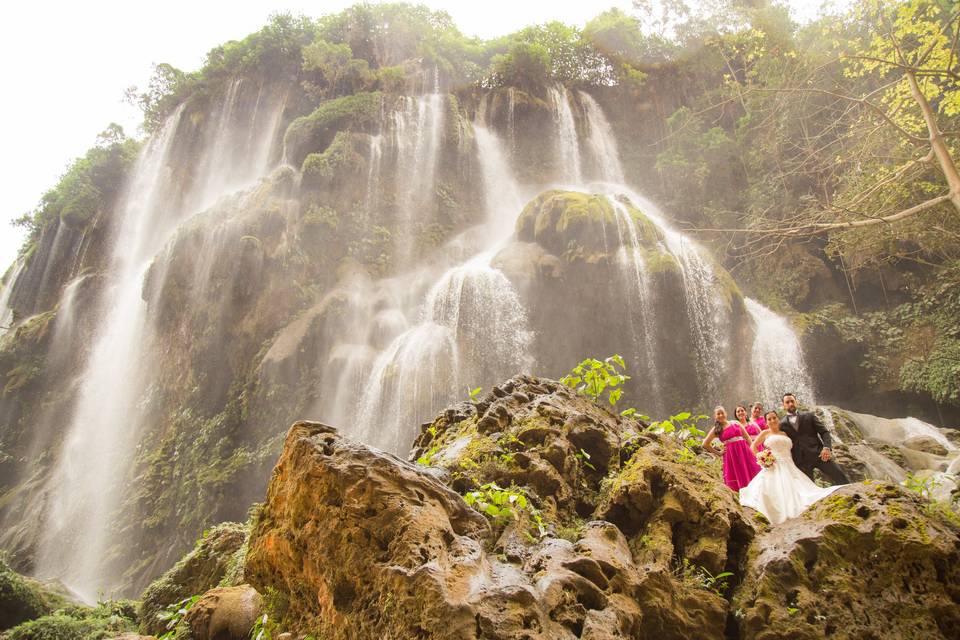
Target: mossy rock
x,y
338,160
212,561
582,225
23,599
316,131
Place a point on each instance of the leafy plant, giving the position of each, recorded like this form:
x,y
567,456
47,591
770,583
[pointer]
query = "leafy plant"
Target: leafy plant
x,y
173,615
701,577
923,486
505,504
684,428
474,393
427,458
594,377
263,628
584,458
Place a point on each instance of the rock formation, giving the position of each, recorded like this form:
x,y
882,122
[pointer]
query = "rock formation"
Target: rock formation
x,y
592,526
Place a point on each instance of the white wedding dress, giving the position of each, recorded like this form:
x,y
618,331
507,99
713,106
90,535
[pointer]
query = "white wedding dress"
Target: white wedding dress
x,y
782,491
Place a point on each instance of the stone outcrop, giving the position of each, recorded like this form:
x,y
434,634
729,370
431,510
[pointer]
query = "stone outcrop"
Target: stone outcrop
x,y
217,557
582,525
867,562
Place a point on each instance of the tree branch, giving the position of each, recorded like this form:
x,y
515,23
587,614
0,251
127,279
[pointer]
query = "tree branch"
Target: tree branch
x,y
822,227
861,101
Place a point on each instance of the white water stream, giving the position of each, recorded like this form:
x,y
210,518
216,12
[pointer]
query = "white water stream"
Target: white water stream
x,y
777,358
86,485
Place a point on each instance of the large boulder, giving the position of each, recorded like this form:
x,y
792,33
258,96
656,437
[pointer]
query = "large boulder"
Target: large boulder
x,y
534,512
870,561
224,613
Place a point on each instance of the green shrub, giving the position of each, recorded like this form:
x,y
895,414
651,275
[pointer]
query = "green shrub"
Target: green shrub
x,y
317,130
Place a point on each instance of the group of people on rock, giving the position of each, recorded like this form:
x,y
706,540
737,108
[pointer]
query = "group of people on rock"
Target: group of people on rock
x,y
796,444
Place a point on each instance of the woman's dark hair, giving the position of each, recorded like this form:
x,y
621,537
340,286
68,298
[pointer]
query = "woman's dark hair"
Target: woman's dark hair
x,y
717,429
775,415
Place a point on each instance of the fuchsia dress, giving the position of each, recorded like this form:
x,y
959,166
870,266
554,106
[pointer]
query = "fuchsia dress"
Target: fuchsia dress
x,y
739,463
754,427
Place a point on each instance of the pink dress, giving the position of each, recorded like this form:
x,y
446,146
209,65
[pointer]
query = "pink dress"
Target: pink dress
x,y
739,463
754,427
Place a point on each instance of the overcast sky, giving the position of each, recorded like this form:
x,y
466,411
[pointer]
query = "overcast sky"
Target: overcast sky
x,y
65,66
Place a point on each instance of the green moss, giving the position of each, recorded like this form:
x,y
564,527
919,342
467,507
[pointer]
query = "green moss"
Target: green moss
x,y
19,599
212,560
581,225
840,508
317,130
906,524
339,158
319,218
106,620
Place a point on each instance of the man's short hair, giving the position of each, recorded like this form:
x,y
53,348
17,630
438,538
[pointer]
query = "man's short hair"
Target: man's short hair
x,y
789,394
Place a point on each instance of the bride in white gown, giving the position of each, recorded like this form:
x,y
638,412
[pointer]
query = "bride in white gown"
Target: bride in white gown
x,y
782,491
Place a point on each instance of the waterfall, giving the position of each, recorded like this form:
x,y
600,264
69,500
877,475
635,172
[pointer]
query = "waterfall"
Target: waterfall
x,y
601,141
511,117
416,137
469,326
568,147
6,311
410,380
481,308
503,199
639,297
708,318
776,357
914,427
64,333
373,173
84,487
87,483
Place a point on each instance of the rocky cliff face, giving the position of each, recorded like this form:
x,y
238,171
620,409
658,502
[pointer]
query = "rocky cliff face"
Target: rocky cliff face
x,y
360,259
352,260
535,513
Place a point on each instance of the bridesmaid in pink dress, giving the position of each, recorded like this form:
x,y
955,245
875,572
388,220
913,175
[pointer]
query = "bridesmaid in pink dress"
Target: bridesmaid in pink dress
x,y
757,422
739,463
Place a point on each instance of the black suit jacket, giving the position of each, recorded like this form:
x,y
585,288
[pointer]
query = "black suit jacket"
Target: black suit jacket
x,y
809,438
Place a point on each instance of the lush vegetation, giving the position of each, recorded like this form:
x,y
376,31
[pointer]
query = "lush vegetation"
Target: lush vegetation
x,y
90,185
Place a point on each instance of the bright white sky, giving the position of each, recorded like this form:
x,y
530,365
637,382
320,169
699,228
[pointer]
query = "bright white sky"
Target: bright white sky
x,y
65,66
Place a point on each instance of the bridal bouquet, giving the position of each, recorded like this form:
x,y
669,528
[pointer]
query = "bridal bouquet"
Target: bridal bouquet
x,y
765,458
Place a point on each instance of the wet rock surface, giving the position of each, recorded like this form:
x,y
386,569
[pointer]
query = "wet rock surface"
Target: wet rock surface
x,y
600,529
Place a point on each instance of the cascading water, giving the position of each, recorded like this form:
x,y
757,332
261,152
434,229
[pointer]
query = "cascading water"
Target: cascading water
x,y
6,312
417,130
470,326
777,357
84,488
601,141
639,297
373,173
86,485
707,315
568,146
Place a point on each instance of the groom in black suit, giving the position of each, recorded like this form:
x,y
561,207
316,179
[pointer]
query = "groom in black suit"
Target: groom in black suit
x,y
811,442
